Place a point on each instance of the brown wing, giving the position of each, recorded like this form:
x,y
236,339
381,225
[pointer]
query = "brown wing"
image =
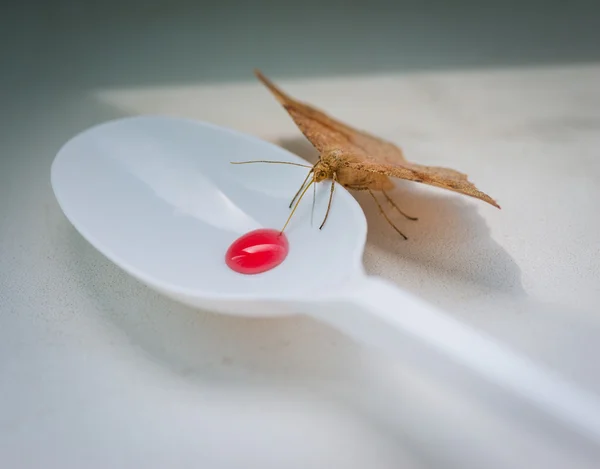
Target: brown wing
x,y
433,175
364,152
326,133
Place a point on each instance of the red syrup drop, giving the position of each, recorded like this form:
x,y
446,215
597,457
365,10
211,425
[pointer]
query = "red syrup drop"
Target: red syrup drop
x,y
257,251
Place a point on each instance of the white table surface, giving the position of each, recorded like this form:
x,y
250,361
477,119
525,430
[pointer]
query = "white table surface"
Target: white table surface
x,y
98,371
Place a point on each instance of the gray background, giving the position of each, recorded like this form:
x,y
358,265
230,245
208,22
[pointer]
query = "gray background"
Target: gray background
x,y
134,42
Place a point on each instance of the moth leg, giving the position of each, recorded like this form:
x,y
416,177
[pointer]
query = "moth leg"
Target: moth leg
x,y
330,199
312,210
301,187
389,199
385,216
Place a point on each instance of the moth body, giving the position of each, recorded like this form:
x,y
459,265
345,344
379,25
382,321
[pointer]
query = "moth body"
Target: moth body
x,y
334,166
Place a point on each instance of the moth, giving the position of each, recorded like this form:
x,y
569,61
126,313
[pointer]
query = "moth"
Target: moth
x,y
359,161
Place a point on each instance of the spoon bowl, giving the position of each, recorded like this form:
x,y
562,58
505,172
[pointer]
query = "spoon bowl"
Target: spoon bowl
x,y
160,198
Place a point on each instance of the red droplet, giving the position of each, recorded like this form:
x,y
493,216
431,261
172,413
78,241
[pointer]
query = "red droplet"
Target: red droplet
x,y
257,251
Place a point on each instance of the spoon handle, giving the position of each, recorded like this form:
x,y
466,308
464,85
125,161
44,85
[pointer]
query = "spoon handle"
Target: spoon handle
x,y
376,312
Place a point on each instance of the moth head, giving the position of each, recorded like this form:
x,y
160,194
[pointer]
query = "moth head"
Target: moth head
x,y
322,172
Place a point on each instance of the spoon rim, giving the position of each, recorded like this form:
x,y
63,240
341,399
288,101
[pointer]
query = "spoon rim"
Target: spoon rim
x,y
209,295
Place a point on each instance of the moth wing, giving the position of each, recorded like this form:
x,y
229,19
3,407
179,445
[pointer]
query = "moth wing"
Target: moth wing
x,y
326,133
444,178
364,152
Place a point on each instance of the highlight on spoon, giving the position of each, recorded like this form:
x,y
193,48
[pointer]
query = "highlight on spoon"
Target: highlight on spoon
x,y
257,251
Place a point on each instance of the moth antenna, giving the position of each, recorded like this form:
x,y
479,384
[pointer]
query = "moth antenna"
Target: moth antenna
x,y
389,199
301,186
330,199
385,216
297,203
272,162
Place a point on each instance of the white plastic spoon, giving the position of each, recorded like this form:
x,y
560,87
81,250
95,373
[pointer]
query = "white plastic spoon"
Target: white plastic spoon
x,y
159,198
